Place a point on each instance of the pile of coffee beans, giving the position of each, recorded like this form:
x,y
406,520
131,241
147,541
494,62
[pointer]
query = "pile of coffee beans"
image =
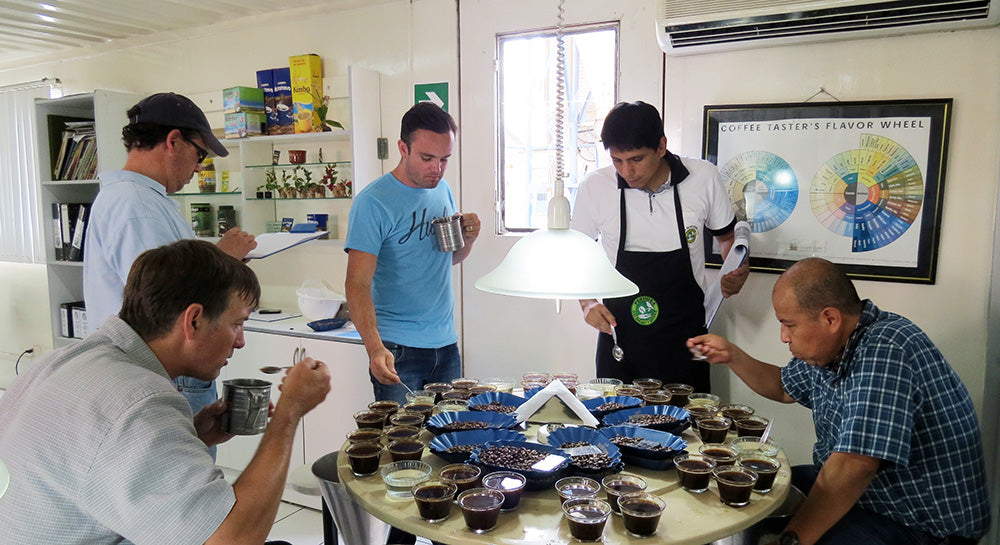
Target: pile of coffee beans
x,y
651,419
461,449
626,441
574,444
511,457
610,406
592,461
465,425
494,406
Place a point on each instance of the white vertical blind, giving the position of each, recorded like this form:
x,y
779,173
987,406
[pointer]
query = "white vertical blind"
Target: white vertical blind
x,y
20,227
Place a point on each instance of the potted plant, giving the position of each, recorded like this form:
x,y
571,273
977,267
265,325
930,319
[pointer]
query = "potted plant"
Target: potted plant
x,y
299,182
260,192
286,190
329,179
270,183
321,111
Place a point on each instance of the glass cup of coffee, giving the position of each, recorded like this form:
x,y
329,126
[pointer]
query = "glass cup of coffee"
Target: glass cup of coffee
x,y
407,418
423,408
384,406
510,483
438,388
648,384
736,411
502,384
722,454
749,445
572,488
766,467
618,484
481,508
641,513
364,435
586,518
405,449
702,411
713,429
397,433
464,476
751,426
656,397
363,458
679,393
434,499
370,419
735,484
694,471
451,405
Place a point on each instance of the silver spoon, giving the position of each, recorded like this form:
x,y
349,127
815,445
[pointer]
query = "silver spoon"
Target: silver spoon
x,y
616,351
272,369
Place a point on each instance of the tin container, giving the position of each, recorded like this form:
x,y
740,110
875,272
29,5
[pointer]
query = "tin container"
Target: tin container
x,y
227,218
247,402
449,232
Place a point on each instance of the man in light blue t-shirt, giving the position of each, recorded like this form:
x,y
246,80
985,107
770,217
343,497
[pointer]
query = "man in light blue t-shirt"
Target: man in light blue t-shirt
x,y
398,282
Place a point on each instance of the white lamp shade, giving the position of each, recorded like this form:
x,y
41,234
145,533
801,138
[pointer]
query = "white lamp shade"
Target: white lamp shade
x,y
557,264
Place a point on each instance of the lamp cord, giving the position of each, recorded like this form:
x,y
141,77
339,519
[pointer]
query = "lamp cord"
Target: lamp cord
x,y
560,96
18,362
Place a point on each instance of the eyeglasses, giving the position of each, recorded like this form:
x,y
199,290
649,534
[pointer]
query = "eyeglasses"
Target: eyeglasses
x,y
202,152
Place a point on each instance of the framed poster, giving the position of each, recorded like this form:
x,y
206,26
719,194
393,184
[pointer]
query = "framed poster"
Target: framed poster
x,y
857,183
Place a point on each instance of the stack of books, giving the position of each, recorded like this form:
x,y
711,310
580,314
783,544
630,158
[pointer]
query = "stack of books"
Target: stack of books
x,y
77,157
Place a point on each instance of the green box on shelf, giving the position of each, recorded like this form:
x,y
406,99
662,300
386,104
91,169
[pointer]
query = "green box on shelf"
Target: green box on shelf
x,y
243,124
242,99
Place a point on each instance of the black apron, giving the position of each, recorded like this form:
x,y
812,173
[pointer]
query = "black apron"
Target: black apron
x,y
654,325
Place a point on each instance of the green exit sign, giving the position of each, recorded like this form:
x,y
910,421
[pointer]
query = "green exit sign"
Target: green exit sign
x,y
431,92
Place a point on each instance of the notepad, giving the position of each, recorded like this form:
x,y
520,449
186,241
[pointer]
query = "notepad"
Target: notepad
x,y
269,244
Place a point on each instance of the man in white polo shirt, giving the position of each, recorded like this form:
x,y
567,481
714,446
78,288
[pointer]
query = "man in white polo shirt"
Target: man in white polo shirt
x,y
651,211
102,448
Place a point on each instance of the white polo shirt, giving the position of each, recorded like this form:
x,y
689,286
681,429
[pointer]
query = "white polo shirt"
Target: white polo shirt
x,y
652,223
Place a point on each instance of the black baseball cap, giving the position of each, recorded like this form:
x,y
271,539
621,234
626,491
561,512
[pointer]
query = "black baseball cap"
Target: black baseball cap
x,y
173,110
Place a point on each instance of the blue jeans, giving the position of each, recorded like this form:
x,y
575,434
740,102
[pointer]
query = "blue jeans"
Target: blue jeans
x,y
860,526
198,394
417,367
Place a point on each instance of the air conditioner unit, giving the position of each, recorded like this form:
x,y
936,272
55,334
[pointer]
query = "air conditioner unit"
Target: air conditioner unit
x,y
702,26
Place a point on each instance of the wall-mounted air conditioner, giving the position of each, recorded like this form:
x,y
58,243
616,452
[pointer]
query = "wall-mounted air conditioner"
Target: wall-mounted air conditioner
x,y
702,26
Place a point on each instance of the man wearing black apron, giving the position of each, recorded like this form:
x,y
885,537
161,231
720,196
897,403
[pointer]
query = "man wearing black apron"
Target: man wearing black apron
x,y
636,208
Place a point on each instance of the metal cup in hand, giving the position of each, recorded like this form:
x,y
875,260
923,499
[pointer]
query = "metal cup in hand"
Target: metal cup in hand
x,y
449,233
247,403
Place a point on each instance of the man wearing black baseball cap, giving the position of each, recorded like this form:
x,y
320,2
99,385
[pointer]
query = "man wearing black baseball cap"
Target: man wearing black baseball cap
x,y
167,138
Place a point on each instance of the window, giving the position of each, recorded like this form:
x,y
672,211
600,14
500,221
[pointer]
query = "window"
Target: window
x,y
20,226
527,110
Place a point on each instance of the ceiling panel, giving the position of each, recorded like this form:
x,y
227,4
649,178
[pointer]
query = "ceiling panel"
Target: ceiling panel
x,y
32,28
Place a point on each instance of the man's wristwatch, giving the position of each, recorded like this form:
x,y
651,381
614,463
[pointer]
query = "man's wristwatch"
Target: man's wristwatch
x,y
788,537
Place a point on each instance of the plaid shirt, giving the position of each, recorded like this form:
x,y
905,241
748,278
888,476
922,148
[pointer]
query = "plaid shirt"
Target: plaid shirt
x,y
894,397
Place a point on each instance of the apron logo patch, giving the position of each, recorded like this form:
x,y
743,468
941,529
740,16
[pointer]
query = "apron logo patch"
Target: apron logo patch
x,y
645,310
691,234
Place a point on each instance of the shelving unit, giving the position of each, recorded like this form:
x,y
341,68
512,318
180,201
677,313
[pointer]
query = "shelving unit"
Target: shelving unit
x,y
107,109
355,150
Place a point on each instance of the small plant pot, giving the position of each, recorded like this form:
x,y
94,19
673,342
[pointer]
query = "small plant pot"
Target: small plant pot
x,y
267,195
260,194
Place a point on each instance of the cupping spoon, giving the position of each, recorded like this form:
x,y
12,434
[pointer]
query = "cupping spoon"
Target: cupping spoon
x,y
616,351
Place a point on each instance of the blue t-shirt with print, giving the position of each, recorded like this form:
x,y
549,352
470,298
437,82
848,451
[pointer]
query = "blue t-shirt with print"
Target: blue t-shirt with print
x,y
412,290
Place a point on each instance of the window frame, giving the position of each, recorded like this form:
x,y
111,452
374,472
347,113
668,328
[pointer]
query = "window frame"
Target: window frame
x,y
570,132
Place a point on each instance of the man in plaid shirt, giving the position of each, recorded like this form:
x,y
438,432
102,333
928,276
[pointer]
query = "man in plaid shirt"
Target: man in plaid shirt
x,y
898,457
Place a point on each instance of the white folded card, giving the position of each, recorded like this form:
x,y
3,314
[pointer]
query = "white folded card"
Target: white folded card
x,y
555,389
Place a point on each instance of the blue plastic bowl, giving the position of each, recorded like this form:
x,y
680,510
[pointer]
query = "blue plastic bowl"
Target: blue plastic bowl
x,y
683,422
443,442
436,424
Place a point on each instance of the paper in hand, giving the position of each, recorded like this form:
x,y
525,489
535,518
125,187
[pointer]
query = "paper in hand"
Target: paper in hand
x,y
737,255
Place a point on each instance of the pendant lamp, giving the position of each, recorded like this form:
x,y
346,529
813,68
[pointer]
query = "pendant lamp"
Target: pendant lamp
x,y
557,262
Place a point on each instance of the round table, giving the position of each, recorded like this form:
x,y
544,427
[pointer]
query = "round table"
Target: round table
x,y
689,519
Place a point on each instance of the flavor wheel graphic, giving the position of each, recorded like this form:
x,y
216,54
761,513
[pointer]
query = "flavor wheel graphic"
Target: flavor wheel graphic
x,y
764,186
872,194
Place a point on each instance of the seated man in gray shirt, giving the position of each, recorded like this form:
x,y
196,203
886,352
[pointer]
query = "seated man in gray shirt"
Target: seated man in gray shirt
x,y
102,448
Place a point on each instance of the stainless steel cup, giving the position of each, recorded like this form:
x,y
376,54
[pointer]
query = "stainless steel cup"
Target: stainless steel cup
x,y
449,232
247,402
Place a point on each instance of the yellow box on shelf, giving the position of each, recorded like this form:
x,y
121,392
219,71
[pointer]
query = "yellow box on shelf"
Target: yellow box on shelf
x,y
307,91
